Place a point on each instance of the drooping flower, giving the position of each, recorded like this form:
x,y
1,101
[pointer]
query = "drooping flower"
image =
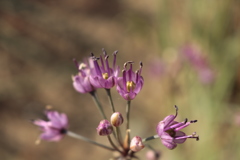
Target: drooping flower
x,y
81,81
130,84
55,128
169,132
136,144
104,76
199,62
104,128
116,119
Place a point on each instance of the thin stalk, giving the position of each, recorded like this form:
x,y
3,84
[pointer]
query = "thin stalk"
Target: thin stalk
x,y
110,99
150,138
128,117
77,136
119,136
113,145
98,104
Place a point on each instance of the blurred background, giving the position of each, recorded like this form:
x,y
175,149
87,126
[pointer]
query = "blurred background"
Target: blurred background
x,y
190,51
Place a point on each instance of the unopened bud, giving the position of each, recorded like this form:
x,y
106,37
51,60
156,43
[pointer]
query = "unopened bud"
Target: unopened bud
x,y
104,128
116,119
136,144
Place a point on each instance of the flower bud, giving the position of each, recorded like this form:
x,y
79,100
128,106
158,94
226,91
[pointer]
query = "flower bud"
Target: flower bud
x,y
104,128
152,155
136,144
116,119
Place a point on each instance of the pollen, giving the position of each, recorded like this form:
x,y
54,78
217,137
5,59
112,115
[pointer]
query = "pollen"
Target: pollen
x,y
130,85
105,75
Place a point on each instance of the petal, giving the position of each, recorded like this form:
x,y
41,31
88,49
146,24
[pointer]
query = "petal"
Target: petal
x,y
55,119
179,134
51,135
167,141
139,85
168,120
160,128
40,123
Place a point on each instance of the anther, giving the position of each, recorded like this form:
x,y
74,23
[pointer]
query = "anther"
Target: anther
x,y
193,121
185,120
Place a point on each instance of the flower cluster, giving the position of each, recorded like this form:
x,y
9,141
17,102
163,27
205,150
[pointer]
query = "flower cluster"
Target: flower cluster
x,y
93,75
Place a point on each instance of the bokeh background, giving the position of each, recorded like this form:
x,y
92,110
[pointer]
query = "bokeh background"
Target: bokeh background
x,y
39,39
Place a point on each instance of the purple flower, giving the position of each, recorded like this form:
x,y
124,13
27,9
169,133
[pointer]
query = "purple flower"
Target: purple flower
x,y
104,128
55,128
130,84
199,62
169,131
81,81
104,76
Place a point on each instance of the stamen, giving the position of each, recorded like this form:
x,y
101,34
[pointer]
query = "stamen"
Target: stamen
x,y
193,121
75,62
103,66
82,66
38,141
105,75
176,110
126,63
48,107
114,60
185,120
130,86
104,52
140,70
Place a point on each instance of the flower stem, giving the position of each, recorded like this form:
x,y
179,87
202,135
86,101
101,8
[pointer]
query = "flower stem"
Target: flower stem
x,y
77,136
110,99
98,104
150,138
113,145
128,117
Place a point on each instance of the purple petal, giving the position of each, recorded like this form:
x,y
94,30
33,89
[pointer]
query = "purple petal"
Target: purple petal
x,y
167,141
52,135
160,128
169,119
180,134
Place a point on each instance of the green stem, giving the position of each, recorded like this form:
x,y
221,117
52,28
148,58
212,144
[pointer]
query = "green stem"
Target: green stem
x,y
128,117
119,136
110,99
150,138
98,104
77,136
113,145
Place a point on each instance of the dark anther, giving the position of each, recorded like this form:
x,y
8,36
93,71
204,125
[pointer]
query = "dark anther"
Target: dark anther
x,y
185,120
193,121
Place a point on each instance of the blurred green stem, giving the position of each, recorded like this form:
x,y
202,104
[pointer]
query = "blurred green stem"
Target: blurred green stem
x,y
77,136
110,99
128,117
98,104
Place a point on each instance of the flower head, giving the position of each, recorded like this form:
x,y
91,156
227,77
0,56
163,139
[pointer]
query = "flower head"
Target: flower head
x,y
81,81
104,128
136,144
169,131
130,84
104,76
55,128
